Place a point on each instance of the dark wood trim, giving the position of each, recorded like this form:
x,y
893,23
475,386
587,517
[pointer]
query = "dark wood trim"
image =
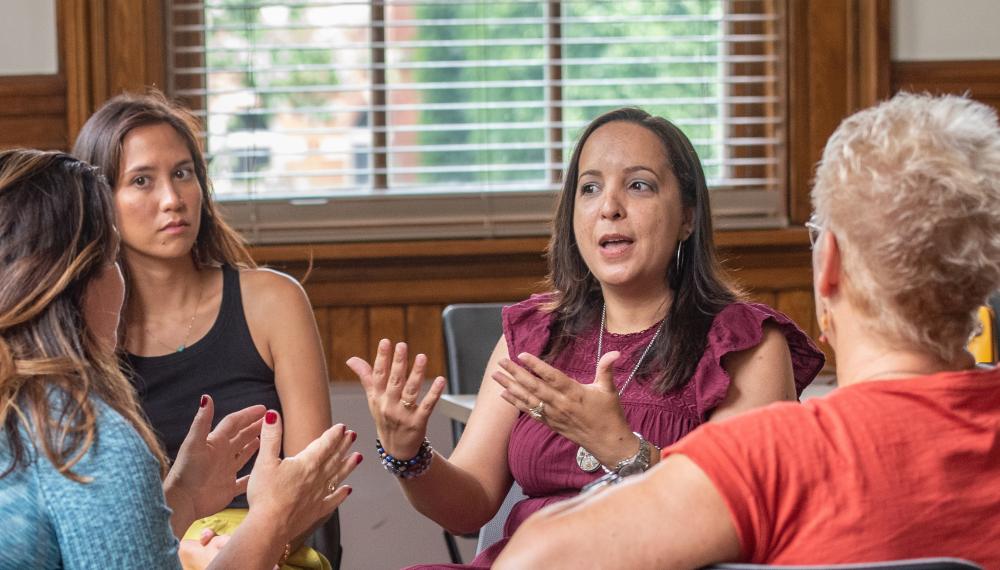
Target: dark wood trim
x,y
724,240
838,62
976,77
76,49
33,112
799,159
380,137
872,21
555,92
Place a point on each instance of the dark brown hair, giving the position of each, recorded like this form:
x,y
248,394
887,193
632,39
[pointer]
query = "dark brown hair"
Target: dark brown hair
x,y
700,288
56,235
100,143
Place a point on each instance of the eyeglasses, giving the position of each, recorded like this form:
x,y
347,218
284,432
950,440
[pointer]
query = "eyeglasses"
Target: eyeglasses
x,y
814,229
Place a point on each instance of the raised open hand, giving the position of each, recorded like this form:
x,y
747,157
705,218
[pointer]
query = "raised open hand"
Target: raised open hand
x,y
202,480
392,395
590,415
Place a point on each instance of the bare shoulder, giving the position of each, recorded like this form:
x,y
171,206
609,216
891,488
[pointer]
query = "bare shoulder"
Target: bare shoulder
x,y
269,287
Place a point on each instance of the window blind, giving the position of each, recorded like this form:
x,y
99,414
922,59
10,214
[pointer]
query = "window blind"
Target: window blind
x,y
327,120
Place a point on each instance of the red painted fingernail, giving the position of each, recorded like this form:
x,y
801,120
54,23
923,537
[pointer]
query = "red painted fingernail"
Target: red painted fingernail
x,y
271,417
354,436
204,401
359,459
349,490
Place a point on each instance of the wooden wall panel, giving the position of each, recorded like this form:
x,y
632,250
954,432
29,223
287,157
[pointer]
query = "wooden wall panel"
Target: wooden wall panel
x,y
348,337
365,292
979,79
424,334
385,322
33,112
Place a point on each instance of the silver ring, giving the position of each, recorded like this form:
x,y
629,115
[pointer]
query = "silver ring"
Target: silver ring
x,y
538,412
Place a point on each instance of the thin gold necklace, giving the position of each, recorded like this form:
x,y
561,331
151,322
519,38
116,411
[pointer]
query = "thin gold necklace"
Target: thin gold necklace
x,y
187,334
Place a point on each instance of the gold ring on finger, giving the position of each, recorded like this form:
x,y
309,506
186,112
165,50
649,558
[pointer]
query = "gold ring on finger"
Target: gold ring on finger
x,y
538,412
332,484
407,403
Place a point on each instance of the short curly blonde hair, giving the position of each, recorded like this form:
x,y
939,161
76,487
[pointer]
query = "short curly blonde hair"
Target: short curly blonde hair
x,y
911,189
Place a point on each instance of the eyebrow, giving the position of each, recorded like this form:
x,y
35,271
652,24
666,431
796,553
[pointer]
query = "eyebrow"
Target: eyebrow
x,y
148,168
628,170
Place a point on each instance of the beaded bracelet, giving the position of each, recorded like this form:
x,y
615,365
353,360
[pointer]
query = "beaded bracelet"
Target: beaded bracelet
x,y
406,468
285,555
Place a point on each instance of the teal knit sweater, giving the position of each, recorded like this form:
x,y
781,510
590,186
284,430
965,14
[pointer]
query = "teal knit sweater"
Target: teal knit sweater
x,y
118,520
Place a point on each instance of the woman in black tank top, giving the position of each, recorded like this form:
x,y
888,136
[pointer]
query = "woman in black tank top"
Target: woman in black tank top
x,y
200,317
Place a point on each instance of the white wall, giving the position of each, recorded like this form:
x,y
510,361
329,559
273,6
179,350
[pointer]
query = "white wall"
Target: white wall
x,y
378,527
945,29
28,38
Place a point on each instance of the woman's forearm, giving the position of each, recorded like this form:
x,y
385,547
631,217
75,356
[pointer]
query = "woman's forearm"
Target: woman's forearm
x,y
451,496
255,545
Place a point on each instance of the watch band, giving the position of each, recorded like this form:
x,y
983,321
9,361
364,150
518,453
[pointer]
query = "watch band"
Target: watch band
x,y
637,463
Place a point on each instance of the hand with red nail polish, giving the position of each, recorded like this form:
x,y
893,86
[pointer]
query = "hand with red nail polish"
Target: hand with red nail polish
x,y
295,493
202,480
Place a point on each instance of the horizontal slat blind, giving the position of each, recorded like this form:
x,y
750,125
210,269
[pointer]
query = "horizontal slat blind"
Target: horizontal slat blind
x,y
388,102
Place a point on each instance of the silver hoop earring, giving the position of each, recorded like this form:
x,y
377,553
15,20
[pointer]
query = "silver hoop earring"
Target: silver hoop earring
x,y
678,256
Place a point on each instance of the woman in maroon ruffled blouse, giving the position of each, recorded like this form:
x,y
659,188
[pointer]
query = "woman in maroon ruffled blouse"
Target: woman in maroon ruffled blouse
x,y
639,341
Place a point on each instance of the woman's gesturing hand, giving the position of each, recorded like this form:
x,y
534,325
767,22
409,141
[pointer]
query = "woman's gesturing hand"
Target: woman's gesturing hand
x,y
202,480
393,395
293,493
587,414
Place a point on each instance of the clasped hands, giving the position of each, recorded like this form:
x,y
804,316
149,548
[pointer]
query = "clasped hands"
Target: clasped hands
x,y
589,415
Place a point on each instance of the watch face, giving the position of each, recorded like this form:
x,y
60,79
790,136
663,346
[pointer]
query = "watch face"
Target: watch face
x,y
631,469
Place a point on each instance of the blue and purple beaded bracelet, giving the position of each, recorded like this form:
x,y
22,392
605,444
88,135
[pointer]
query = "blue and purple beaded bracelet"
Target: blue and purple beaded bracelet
x,y
406,468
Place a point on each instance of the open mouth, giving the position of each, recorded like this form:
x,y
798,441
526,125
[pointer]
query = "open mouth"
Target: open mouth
x,y
613,242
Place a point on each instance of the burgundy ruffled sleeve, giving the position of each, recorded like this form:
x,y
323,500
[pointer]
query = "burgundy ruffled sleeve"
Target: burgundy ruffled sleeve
x,y
526,326
738,327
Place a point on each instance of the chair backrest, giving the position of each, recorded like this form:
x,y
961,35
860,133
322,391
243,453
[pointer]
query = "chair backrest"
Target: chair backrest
x,y
984,345
471,330
493,530
911,564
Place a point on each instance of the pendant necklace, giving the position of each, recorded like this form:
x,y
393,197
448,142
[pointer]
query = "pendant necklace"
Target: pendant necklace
x,y
584,459
187,334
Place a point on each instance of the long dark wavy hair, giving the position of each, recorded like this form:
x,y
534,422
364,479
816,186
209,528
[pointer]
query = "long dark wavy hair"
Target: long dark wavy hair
x,y
56,236
699,285
100,143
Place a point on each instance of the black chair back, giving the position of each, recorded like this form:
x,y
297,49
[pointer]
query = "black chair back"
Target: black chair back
x,y
471,330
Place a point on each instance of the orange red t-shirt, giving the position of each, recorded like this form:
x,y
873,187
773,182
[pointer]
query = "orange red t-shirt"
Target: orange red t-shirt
x,y
874,471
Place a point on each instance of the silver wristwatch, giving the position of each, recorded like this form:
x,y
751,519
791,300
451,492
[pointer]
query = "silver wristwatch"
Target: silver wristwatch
x,y
637,463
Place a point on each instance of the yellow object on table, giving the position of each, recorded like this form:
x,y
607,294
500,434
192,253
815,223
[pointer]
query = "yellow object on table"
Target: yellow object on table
x,y
983,345
227,521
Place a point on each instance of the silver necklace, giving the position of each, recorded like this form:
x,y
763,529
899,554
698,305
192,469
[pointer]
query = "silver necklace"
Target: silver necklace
x,y
187,334
584,459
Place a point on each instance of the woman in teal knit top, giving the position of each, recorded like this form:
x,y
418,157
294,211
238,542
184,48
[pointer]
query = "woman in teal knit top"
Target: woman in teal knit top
x,y
80,470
